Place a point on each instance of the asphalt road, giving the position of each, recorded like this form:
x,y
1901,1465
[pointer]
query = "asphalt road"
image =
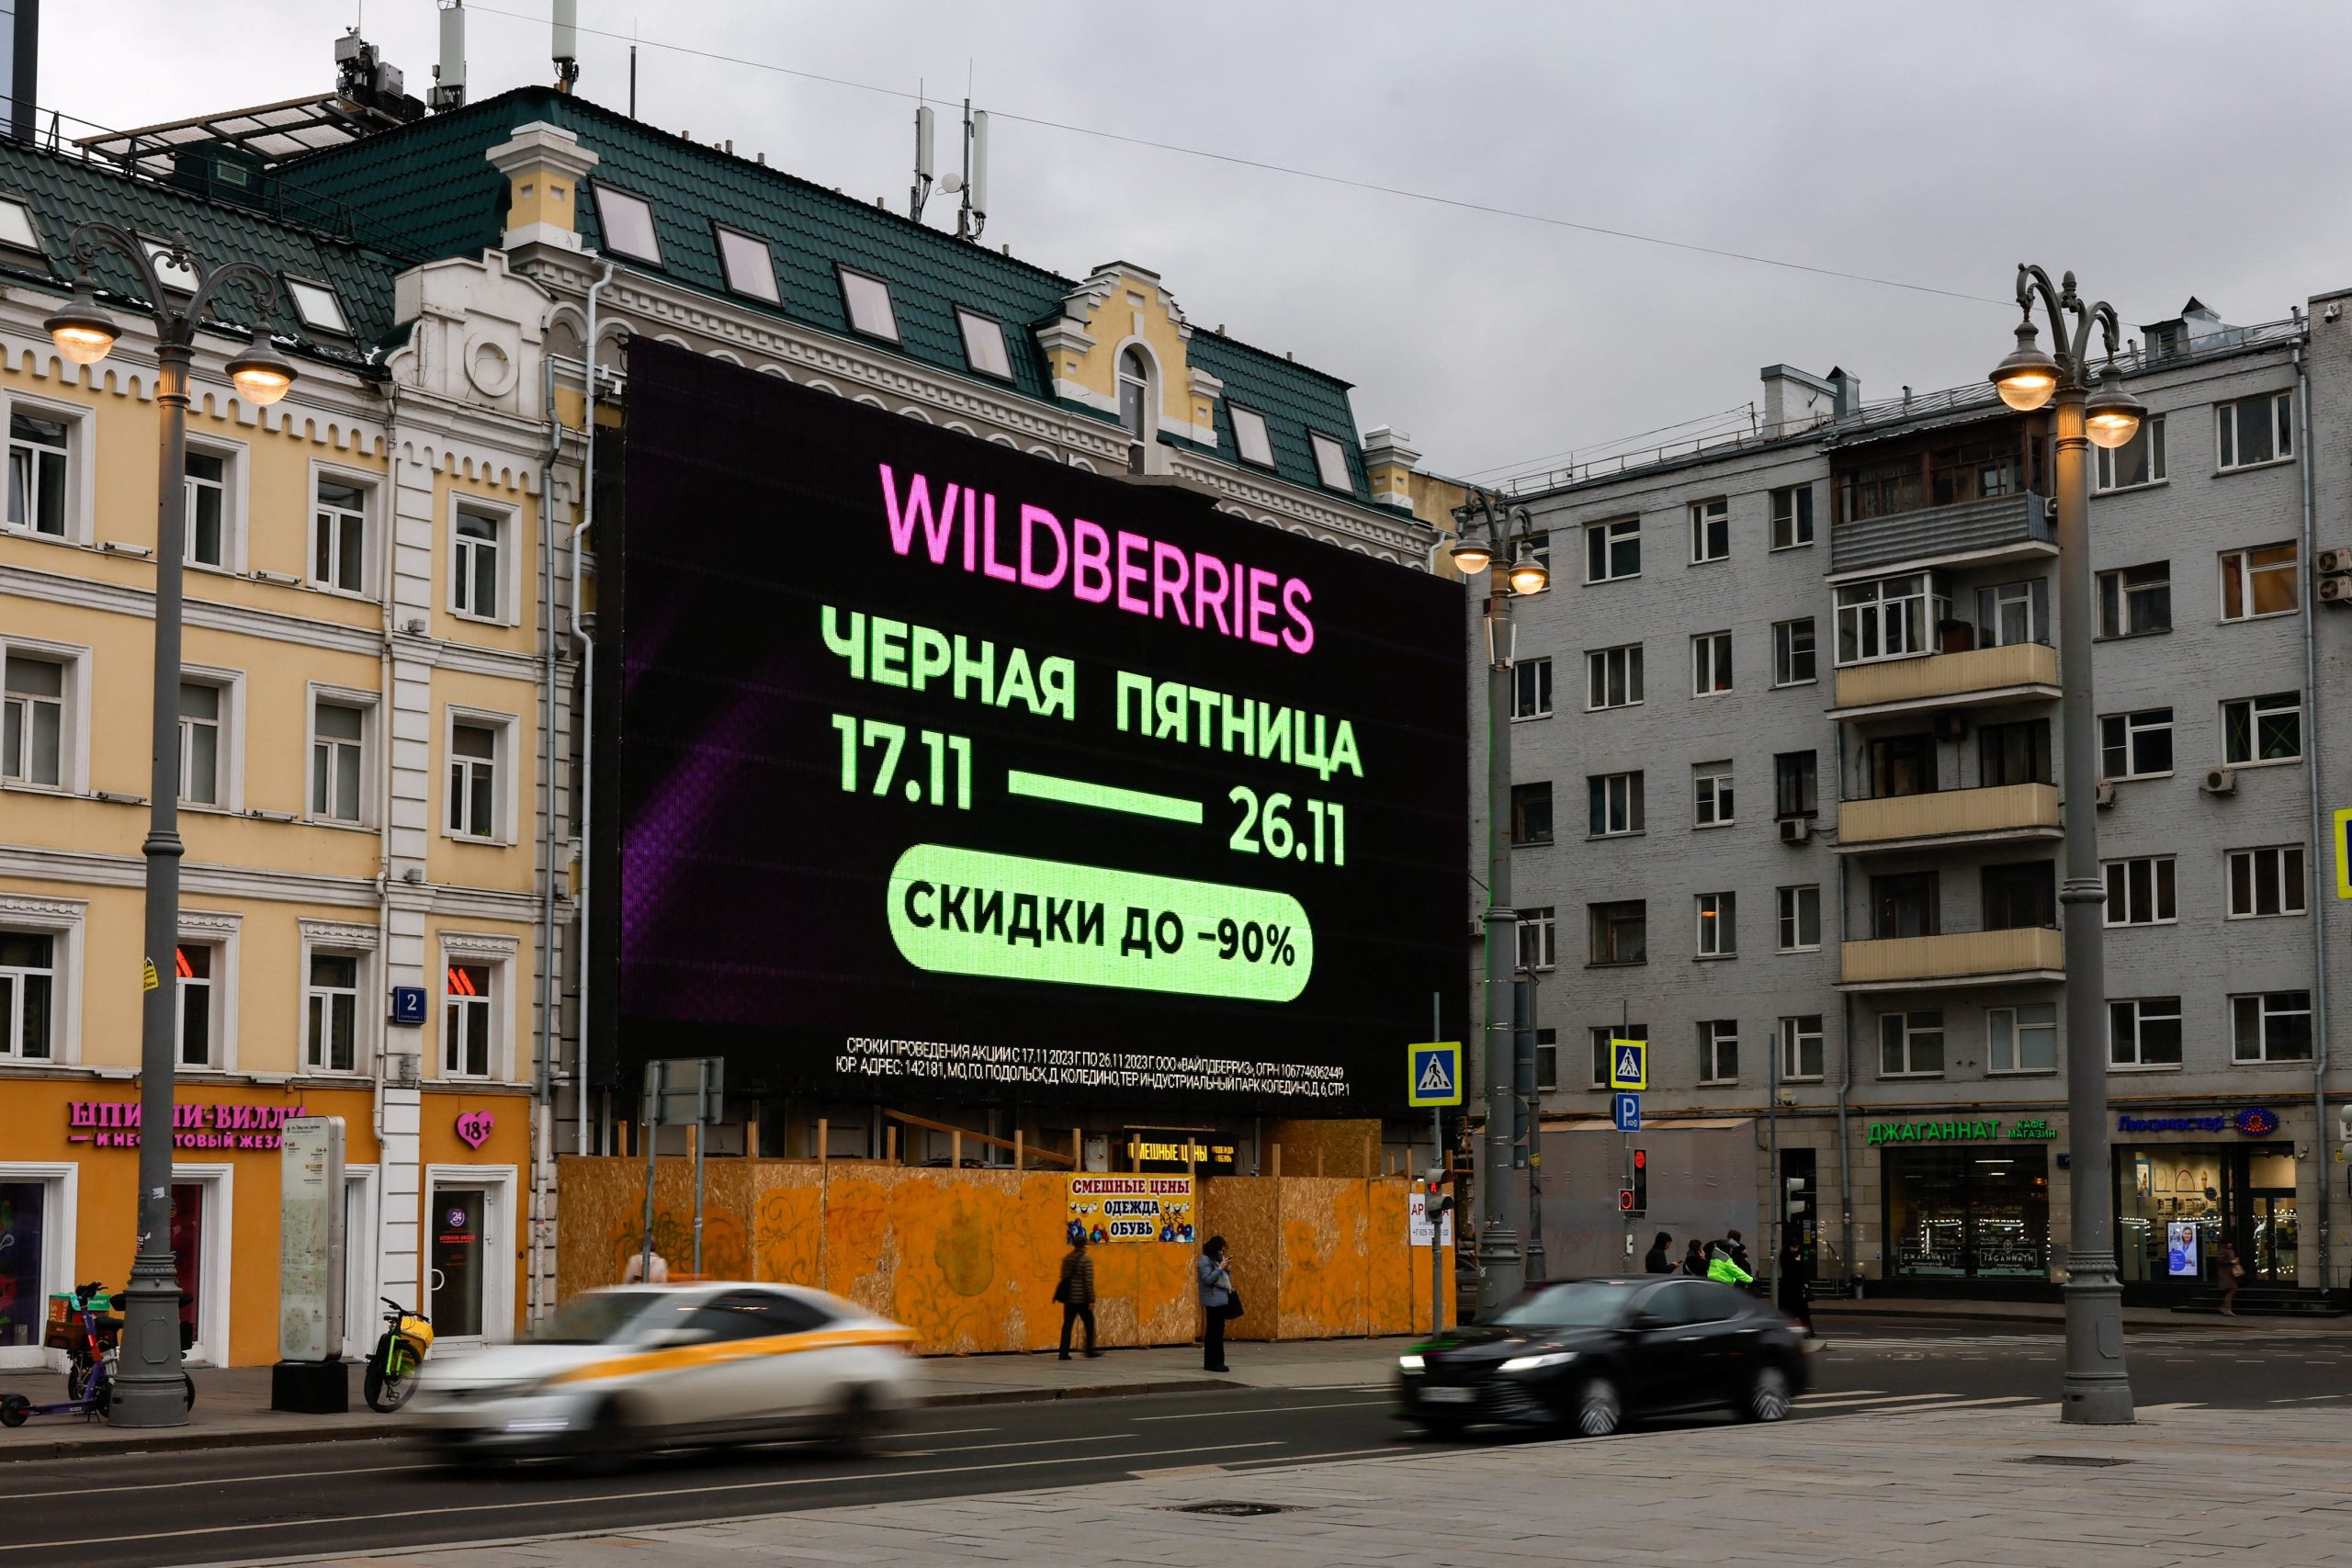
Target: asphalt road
x,y
238,1504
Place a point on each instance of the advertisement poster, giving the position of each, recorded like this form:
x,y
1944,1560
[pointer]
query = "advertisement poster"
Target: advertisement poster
x,y
1417,1220
1131,1208
2181,1249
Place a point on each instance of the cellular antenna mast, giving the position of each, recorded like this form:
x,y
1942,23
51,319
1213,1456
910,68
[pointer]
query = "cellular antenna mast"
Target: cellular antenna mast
x,y
566,44
973,216
919,192
449,75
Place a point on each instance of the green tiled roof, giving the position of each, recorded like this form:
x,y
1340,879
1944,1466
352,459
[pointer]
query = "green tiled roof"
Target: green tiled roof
x,y
431,184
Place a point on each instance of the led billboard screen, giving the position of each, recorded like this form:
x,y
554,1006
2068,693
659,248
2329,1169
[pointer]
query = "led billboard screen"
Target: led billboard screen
x,y
947,770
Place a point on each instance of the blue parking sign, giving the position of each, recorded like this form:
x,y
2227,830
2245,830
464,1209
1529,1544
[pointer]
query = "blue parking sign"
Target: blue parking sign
x,y
1628,1108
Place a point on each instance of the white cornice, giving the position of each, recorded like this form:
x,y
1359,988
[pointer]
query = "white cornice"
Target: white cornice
x,y
89,868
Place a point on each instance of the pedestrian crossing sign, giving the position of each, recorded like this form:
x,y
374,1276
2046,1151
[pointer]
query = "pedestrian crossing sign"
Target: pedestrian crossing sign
x,y
1629,1063
2344,853
1434,1073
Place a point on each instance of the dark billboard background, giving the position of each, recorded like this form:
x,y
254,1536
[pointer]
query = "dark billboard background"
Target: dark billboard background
x,y
757,915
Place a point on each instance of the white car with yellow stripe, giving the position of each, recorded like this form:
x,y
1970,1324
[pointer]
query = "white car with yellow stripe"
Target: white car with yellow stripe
x,y
617,1372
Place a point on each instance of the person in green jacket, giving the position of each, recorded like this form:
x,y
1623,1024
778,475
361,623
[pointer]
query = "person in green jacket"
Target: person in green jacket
x,y
1720,1267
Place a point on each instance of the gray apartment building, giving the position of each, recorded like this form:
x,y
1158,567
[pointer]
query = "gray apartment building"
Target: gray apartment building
x,y
1786,805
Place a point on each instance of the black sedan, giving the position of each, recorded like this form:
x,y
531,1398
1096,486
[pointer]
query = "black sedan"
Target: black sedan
x,y
1586,1354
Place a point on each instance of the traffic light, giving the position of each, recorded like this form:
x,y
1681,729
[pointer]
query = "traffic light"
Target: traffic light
x,y
1625,1199
1641,1202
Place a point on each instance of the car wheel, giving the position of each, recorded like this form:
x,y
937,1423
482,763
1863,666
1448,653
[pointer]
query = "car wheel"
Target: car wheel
x,y
858,1423
1767,1397
610,1441
1599,1410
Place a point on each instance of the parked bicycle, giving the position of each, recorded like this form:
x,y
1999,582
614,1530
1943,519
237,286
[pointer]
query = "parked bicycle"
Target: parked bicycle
x,y
392,1365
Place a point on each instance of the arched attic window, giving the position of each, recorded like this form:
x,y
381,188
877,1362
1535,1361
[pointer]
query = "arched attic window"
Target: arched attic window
x,y
1135,393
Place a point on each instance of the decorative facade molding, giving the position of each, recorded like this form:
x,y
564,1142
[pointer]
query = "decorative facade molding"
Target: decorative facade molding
x,y
341,933
478,945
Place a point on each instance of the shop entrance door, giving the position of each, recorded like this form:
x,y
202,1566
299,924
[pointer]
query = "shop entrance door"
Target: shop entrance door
x,y
2271,1255
199,1236
459,1216
25,1208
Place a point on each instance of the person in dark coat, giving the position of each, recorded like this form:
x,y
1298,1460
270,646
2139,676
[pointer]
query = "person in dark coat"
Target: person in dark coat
x,y
1694,1260
1076,1293
1660,1260
1216,1302
1736,1245
1791,1284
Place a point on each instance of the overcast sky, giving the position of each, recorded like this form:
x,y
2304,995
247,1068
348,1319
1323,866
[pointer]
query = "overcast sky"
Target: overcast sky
x,y
2160,148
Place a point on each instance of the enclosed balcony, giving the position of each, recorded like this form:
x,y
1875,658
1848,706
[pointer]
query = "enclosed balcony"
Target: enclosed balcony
x,y
1979,677
1949,816
2017,955
1973,533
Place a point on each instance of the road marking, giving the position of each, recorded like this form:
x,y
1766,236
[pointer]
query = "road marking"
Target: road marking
x,y
569,1501
1264,1410
356,1469
1032,1443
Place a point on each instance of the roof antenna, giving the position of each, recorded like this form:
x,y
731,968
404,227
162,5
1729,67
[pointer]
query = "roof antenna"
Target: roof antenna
x,y
632,68
449,75
973,215
919,192
566,44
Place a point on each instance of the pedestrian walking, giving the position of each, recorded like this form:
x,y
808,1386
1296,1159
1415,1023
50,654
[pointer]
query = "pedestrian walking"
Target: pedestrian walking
x,y
1723,1269
1219,1301
2227,1273
1660,1260
1076,1293
1694,1260
1792,1284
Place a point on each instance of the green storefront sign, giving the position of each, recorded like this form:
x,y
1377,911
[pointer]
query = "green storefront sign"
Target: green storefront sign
x,y
1958,1131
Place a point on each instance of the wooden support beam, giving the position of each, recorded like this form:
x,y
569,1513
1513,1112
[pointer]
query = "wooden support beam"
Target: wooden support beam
x,y
959,1133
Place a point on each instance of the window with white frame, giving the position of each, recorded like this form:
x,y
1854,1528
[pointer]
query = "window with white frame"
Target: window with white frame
x,y
2254,430
1614,677
1538,938
1911,1045
2135,745
750,266
984,348
205,541
1251,442
1710,664
193,963
474,803
1711,795
469,1019
2135,600
2266,881
338,760
2258,581
29,994
1600,1035
1718,925
1892,617
2140,891
1530,689
628,224
2138,461
339,536
1547,1060
1616,804
1792,516
1330,462
1801,1050
331,1012
40,470
477,551
1718,1050
2271,1026
1711,529
1799,917
318,306
2022,1039
1613,549
204,717
1793,652
17,229
868,300
2144,1031
2013,612
2263,729
36,694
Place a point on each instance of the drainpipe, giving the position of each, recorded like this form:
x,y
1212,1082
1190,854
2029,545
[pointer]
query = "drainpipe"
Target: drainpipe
x,y
384,765
543,1069
2311,788
587,707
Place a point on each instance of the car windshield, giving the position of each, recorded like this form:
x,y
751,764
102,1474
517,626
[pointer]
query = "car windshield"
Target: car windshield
x,y
1582,1304
596,1318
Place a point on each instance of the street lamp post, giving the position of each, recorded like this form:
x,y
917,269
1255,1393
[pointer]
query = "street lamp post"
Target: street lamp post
x,y
2097,1388
148,1390
1487,527
1537,1266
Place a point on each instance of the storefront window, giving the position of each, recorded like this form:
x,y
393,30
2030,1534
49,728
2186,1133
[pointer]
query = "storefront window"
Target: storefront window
x,y
2246,1193
1974,1211
24,1304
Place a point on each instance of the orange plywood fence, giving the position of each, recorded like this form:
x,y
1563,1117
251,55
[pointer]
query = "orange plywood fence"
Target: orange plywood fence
x,y
1247,1211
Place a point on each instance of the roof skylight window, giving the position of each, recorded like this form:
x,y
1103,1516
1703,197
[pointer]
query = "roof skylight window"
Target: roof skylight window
x,y
869,305
1250,437
1330,462
984,345
175,275
16,231
317,307
750,265
628,224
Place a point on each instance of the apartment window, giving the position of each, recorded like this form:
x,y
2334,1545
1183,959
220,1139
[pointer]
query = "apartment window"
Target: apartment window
x,y
2266,882
1538,546
1899,765
1547,1060
40,459
1711,530
338,746
28,995
2144,1031
2135,745
339,537
1531,814
2255,430
1135,394
1799,917
331,1013
1718,925
1614,677
2024,893
2135,600
32,720
467,1021
2021,1039
1601,1034
2014,753
1793,657
1711,795
1330,462
2275,1026
1709,663
2258,581
2140,891
1530,689
2138,461
1904,903
192,961
1792,516
1718,1050
1538,934
2013,612
1251,439
203,712
1796,784
1801,1052
627,223
1616,804
204,542
476,548
473,780
750,266
868,301
2263,729
1911,1045
1621,932
1613,549
318,306
1889,618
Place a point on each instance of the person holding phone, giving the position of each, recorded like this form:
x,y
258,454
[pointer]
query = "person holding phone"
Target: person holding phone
x,y
1218,1302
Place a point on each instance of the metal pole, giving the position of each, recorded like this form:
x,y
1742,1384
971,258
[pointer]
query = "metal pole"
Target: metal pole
x,y
1532,1104
148,1390
656,1076
702,1133
1499,1254
1437,1169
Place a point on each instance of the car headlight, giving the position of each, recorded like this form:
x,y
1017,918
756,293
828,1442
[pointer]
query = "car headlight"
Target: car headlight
x,y
1410,1363
1537,1363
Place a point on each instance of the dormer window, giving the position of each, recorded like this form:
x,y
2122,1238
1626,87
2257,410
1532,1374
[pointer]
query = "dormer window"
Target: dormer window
x,y
317,307
868,300
1330,462
628,224
1250,440
1135,393
16,231
984,347
750,265
177,276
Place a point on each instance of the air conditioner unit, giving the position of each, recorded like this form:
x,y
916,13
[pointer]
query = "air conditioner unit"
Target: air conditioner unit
x,y
2336,590
2335,562
1795,829
1950,726
2106,795
2219,781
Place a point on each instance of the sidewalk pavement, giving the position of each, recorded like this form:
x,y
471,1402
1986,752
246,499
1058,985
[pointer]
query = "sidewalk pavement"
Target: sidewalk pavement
x,y
2004,1488
2032,1315
232,1409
